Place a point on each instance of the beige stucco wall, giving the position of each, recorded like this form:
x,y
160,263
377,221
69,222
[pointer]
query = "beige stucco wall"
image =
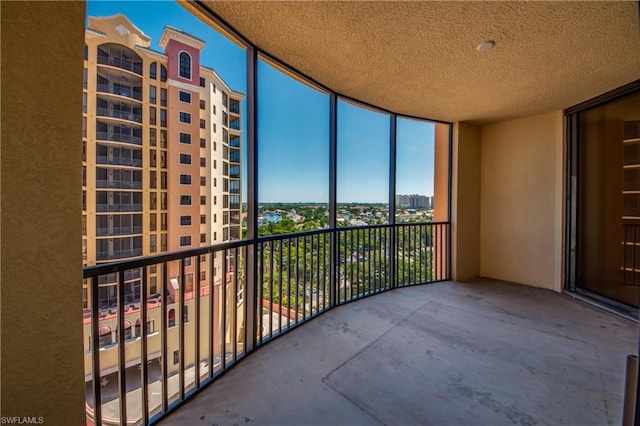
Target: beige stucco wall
x,y
521,204
465,200
41,303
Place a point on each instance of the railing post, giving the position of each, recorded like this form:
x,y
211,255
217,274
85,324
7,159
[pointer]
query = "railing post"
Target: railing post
x,y
251,283
392,201
333,158
95,352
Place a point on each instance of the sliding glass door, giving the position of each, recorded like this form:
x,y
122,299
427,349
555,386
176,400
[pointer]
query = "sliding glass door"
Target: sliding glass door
x,y
605,193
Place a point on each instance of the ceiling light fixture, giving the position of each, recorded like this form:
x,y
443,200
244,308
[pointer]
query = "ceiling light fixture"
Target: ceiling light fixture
x,y
485,45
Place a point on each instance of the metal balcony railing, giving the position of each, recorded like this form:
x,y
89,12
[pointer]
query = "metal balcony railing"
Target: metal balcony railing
x,y
124,64
119,137
118,207
121,230
119,161
218,303
125,91
120,184
124,115
118,254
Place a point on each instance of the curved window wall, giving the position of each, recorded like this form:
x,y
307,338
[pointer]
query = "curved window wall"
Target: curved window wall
x,y
300,208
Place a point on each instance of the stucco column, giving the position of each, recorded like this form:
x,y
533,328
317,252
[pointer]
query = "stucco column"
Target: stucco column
x,y
41,305
465,200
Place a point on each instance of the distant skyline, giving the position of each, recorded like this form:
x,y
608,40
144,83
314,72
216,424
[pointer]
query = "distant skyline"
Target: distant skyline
x,y
293,123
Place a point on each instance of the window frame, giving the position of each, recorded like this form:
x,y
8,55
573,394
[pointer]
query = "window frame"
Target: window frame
x,y
183,67
186,116
186,154
183,92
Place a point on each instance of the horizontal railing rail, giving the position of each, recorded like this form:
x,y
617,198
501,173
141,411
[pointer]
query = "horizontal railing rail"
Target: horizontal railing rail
x,y
126,91
118,207
118,230
159,328
119,137
119,161
124,64
125,115
120,184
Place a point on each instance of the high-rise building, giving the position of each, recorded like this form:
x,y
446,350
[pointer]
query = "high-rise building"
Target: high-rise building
x,y
414,201
161,148
161,164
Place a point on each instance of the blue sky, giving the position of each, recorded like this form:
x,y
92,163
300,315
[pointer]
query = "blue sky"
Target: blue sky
x,y
293,122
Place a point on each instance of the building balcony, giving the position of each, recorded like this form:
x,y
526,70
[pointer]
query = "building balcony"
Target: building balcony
x,y
481,353
120,114
351,339
484,352
119,184
234,157
118,254
118,161
294,287
121,63
234,106
126,230
116,208
129,92
119,137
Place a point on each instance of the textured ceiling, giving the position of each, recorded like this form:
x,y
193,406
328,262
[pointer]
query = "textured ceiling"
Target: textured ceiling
x,y
419,58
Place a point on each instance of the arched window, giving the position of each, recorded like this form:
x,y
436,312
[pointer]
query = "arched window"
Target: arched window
x,y
105,335
163,73
86,52
185,65
172,317
127,330
138,327
153,70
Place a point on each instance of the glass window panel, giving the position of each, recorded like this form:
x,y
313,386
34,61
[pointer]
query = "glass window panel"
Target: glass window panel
x,y
293,133
415,149
362,166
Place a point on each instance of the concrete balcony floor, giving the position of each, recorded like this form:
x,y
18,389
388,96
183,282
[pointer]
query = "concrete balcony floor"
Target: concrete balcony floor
x,y
484,353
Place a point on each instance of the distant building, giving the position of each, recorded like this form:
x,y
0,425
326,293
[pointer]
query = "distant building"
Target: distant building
x,y
414,201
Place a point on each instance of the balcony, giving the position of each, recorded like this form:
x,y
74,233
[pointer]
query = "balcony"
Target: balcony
x,y
122,63
119,137
116,208
483,353
234,106
120,57
436,354
234,142
121,90
125,230
118,254
119,161
120,184
234,124
121,114
296,286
